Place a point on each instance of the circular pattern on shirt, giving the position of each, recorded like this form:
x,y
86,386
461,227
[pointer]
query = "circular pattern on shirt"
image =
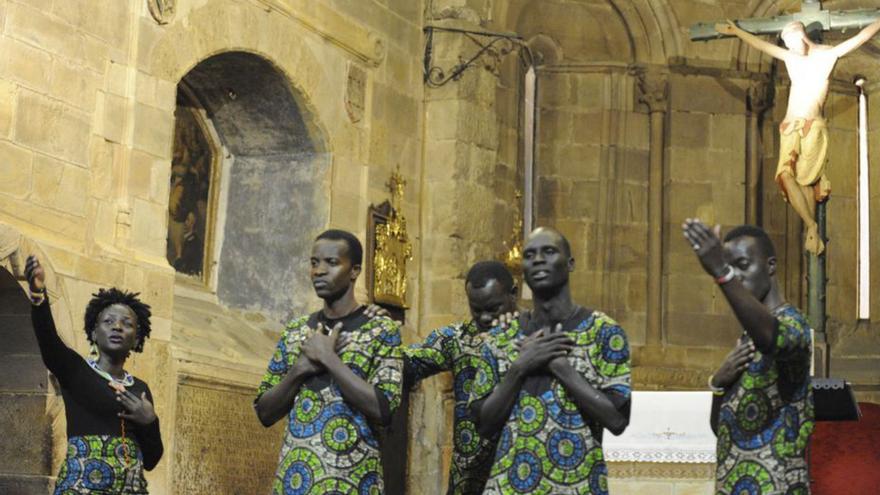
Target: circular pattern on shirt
x,y
301,469
615,351
464,377
97,475
531,415
339,435
483,381
121,450
741,438
367,476
467,439
566,449
307,412
753,411
748,478
504,462
598,477
561,408
525,473
78,447
70,472
346,441
371,484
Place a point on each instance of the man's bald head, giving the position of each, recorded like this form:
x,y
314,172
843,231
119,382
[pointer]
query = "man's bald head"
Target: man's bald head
x,y
562,242
547,261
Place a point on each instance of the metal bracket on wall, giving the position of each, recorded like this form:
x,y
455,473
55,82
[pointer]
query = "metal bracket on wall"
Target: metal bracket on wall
x,y
493,45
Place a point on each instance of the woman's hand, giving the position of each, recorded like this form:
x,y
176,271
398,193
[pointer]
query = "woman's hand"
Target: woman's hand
x,y
138,410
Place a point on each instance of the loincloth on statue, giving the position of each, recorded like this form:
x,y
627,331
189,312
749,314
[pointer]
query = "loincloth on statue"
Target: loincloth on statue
x,y
803,147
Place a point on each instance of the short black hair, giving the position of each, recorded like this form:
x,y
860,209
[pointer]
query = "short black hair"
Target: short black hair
x,y
755,232
355,250
108,297
483,271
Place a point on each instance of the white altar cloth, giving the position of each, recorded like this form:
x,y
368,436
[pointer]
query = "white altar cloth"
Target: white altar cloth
x,y
665,427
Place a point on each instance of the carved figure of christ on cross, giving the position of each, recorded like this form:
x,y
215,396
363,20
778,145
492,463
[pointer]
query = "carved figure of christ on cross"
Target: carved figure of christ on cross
x,y
803,136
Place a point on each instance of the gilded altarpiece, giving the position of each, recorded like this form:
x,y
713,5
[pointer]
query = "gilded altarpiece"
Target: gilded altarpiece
x,y
388,249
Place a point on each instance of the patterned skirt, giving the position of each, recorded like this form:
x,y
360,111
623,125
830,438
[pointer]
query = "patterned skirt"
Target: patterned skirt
x,y
102,464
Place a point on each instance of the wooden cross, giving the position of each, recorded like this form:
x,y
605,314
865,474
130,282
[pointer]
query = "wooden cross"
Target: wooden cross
x,y
812,15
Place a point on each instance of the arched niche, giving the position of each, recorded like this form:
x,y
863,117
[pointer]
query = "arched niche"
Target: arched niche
x,y
586,31
270,195
642,31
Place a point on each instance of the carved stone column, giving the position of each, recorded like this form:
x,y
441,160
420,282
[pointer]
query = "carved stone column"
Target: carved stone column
x,y
654,87
758,103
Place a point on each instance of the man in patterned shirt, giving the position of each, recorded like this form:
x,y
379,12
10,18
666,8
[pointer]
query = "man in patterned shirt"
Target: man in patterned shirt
x,y
336,399
763,404
551,383
491,294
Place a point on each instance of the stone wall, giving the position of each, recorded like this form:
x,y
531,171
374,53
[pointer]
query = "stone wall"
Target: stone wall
x,y
87,99
87,95
707,161
592,164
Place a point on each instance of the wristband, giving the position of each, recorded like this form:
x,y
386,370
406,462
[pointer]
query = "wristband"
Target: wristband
x,y
715,390
728,275
37,297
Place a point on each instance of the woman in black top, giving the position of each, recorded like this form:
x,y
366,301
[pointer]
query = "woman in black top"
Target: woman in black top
x,y
112,429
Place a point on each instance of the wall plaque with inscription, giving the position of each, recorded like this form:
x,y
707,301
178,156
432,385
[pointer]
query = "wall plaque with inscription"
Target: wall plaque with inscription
x,y
220,446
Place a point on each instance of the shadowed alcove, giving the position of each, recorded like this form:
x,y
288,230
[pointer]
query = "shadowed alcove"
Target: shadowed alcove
x,y
26,449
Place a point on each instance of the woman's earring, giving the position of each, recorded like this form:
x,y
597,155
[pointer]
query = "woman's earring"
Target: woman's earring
x,y
93,353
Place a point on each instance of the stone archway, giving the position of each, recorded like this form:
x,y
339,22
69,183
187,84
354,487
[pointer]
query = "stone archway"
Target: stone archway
x,y
30,419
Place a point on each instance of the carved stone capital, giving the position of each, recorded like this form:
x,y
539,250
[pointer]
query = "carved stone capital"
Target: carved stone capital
x,y
653,89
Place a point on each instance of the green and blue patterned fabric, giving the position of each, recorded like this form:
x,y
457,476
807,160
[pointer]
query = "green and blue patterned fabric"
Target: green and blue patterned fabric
x,y
455,348
101,464
328,446
547,446
766,418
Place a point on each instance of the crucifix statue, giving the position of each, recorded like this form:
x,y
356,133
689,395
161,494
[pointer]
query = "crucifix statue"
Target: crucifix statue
x,y
800,173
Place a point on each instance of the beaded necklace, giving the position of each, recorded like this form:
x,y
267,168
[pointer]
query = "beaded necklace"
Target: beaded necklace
x,y
126,381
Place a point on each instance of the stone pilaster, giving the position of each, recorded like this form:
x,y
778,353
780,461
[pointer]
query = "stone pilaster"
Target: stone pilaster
x,y
654,88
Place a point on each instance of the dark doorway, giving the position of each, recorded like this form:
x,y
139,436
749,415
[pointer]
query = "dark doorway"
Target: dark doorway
x,y
26,447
